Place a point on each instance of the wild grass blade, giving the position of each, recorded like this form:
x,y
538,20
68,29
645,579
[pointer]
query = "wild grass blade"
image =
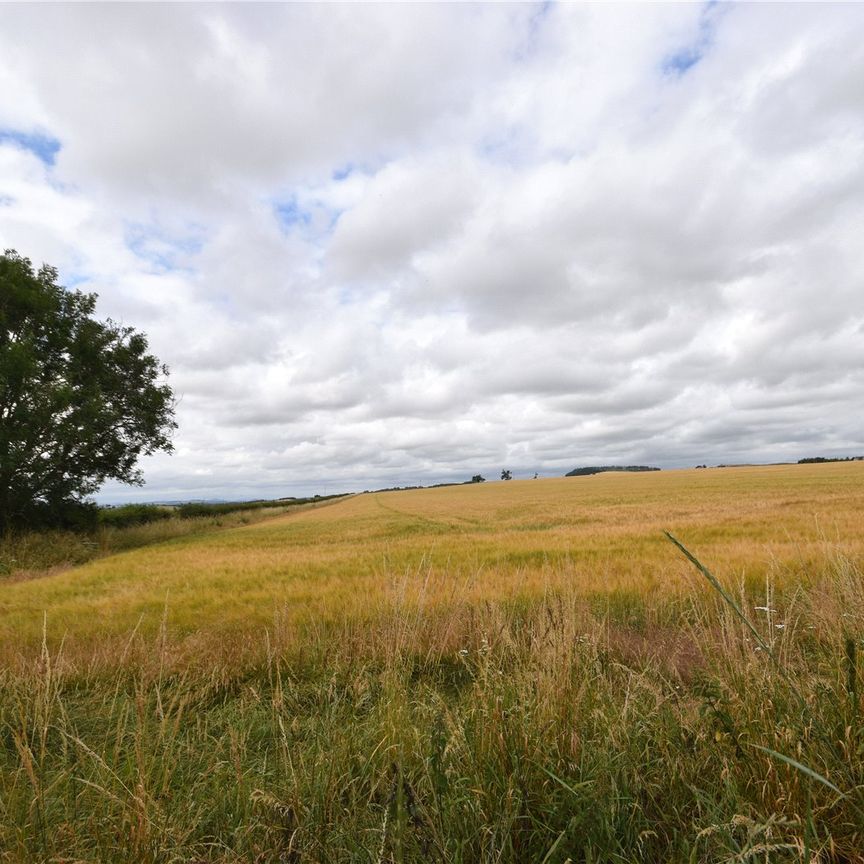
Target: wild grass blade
x,y
554,847
730,601
727,597
568,786
798,766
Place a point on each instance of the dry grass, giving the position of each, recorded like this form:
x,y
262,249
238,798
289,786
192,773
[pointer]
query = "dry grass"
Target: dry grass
x,y
512,672
601,534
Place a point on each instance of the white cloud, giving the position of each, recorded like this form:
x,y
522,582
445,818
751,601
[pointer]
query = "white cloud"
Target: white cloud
x,y
391,244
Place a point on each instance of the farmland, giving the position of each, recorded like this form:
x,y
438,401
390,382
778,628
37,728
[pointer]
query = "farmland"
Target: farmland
x,y
495,672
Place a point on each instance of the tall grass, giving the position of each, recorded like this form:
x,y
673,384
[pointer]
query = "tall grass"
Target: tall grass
x,y
510,672
24,554
547,729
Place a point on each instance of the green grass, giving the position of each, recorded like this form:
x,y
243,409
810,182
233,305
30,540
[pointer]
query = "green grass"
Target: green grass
x,y
499,733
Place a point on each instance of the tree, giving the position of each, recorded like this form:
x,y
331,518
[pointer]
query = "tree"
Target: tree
x,y
506,475
80,400
478,478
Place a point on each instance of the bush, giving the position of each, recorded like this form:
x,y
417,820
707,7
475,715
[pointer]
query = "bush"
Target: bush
x,y
198,508
63,515
221,508
133,514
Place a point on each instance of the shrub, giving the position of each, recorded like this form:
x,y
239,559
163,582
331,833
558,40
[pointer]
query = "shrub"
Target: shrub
x,y
134,514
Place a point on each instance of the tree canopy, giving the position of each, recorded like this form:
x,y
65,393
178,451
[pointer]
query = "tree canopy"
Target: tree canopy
x,y
80,400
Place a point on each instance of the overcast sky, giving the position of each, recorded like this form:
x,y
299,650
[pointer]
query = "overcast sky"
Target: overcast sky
x,y
394,244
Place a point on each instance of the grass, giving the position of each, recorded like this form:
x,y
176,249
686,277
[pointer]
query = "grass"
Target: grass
x,y
509,672
27,555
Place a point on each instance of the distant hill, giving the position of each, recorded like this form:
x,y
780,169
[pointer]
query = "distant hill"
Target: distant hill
x,y
600,469
815,460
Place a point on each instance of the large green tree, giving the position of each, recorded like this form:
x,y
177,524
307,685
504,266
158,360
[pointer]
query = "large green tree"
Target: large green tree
x,y
80,400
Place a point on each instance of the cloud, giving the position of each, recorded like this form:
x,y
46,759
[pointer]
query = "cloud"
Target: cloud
x,y
42,146
382,245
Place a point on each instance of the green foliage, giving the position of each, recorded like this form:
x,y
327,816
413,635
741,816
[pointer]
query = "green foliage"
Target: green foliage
x,y
80,400
200,508
600,469
68,515
220,508
134,514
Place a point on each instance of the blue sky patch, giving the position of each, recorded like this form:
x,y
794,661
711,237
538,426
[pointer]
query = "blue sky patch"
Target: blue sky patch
x,y
73,280
291,215
160,248
45,147
680,62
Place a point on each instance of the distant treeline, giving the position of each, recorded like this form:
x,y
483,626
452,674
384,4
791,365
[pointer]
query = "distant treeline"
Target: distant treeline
x,y
144,514
810,460
600,469
407,488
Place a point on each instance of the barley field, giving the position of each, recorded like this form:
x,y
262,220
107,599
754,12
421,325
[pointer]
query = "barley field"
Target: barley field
x,y
501,672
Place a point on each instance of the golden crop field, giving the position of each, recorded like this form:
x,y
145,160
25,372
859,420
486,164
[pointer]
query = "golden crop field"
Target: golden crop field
x,y
492,541
507,672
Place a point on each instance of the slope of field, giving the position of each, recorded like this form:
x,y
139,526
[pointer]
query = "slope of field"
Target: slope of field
x,y
596,534
509,672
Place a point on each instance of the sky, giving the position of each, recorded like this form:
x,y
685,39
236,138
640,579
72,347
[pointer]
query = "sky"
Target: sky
x,y
386,245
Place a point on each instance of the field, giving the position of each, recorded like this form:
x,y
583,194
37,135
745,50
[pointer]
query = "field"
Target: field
x,y
522,671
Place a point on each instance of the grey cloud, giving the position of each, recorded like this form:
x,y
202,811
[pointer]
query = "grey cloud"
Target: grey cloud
x,y
221,95
507,232
407,206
